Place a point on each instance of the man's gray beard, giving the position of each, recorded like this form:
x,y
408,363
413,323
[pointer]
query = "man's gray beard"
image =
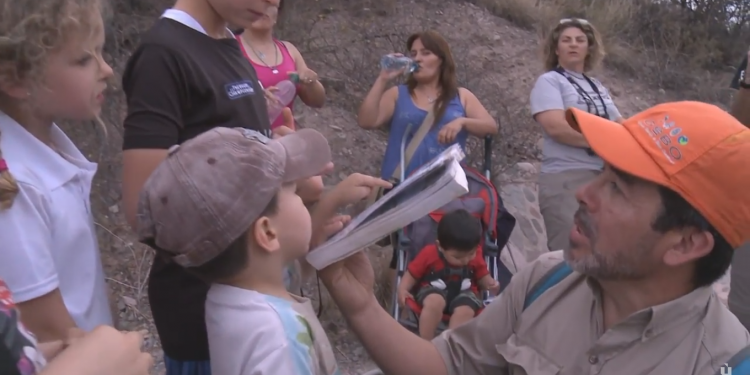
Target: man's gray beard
x,y
602,267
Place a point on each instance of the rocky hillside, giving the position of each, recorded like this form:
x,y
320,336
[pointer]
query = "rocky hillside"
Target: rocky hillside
x,y
497,60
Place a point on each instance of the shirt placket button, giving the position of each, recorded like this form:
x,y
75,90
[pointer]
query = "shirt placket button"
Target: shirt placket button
x,y
593,359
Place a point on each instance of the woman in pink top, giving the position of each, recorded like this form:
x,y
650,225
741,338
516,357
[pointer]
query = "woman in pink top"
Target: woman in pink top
x,y
275,60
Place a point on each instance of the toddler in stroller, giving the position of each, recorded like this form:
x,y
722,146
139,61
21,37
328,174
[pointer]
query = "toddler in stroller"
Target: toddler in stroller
x,y
447,275
483,203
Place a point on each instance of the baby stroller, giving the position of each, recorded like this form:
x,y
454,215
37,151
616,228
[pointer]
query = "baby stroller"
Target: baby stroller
x,y
483,201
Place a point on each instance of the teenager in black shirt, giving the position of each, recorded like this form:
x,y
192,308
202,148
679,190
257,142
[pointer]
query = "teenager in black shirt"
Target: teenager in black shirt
x,y
188,75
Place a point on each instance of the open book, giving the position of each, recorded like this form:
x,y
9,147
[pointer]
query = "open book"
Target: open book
x,y
432,186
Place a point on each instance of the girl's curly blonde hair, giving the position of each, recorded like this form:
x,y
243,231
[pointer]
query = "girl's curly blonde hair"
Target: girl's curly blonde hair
x,y
29,31
596,48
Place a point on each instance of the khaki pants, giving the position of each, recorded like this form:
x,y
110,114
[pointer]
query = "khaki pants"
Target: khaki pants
x,y
558,204
739,285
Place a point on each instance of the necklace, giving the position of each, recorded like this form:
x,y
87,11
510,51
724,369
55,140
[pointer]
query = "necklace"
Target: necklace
x,y
432,98
262,56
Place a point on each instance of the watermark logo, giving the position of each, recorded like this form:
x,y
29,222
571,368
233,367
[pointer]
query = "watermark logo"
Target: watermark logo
x,y
725,369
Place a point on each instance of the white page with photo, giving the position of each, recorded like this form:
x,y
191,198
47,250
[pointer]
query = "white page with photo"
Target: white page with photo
x,y
432,186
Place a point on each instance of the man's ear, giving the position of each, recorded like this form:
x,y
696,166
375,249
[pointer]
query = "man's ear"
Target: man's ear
x,y
690,245
265,235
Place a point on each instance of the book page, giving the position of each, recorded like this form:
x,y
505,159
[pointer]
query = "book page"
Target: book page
x,y
424,177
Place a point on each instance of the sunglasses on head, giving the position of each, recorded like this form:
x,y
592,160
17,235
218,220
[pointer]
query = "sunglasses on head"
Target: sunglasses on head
x,y
571,20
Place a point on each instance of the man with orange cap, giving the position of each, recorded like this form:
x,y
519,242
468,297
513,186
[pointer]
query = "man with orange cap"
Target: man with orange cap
x,y
633,293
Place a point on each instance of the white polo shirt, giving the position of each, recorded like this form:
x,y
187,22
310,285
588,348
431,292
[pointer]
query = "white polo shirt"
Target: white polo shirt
x,y
47,238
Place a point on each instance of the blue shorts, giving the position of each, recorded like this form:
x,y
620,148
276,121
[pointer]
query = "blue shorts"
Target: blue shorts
x,y
175,367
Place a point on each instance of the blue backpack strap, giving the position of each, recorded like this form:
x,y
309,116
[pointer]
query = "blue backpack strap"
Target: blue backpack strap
x,y
550,279
739,364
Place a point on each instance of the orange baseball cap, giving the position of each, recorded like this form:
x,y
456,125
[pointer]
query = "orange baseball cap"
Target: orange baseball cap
x,y
695,149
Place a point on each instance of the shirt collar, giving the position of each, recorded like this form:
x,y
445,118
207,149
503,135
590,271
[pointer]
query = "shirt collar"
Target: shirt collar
x,y
652,321
22,150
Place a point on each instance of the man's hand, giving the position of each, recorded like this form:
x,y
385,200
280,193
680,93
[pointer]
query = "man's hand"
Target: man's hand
x,y
350,282
355,188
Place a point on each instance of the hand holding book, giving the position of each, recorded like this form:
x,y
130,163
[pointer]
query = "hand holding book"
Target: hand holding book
x,y
429,188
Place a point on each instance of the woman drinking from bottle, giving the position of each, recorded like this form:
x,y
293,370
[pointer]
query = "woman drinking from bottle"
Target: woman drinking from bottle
x,y
430,90
431,99
573,48
276,61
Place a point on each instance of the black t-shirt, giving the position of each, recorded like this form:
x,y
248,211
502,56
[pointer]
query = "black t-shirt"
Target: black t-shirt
x,y
180,83
739,76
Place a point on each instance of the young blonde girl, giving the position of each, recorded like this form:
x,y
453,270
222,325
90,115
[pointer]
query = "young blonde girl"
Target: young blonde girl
x,y
51,69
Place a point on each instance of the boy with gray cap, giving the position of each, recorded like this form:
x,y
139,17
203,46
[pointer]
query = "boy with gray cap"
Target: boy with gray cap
x,y
223,205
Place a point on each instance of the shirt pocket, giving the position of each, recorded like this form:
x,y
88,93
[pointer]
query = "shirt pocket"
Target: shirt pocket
x,y
525,360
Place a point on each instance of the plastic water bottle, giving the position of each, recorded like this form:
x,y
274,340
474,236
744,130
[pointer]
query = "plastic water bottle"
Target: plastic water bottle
x,y
393,63
285,93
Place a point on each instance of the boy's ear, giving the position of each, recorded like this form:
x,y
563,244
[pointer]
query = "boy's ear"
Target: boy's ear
x,y
265,235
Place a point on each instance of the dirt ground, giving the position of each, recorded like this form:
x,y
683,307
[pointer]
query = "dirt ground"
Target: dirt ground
x,y
497,61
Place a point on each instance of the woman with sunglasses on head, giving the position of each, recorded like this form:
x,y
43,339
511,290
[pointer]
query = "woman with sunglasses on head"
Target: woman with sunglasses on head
x,y
572,49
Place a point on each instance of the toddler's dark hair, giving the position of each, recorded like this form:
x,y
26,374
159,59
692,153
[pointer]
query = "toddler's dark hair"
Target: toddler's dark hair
x,y
459,230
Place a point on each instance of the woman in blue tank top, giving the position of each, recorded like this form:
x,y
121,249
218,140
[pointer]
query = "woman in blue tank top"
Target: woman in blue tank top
x,y
403,108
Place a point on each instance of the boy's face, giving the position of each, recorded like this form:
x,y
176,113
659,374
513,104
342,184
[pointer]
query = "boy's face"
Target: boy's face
x,y
243,12
458,258
292,223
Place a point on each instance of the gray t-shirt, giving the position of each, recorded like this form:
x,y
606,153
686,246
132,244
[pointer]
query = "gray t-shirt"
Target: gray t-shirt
x,y
553,91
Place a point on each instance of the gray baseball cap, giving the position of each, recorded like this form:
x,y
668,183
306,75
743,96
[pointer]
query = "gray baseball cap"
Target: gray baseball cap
x,y
209,190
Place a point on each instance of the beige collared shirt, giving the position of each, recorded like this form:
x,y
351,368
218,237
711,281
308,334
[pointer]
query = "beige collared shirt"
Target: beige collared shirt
x,y
561,333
